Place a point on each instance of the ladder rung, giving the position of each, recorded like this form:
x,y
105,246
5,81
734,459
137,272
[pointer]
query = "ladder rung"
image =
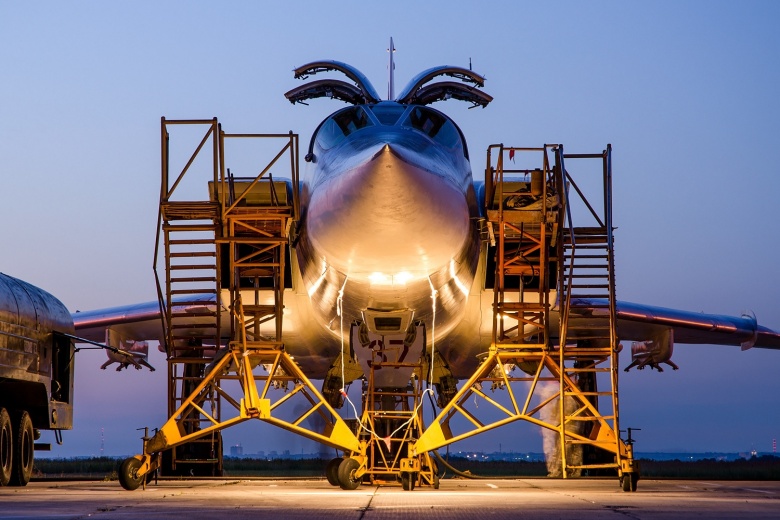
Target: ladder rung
x,y
194,291
589,257
192,254
192,326
192,241
209,314
192,266
257,264
594,306
188,227
588,245
193,279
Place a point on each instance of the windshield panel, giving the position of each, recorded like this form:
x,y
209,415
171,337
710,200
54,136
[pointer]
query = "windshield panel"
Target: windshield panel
x,y
388,113
341,124
434,125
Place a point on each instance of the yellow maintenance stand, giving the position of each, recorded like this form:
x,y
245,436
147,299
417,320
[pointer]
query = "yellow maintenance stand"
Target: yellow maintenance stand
x,y
231,247
544,263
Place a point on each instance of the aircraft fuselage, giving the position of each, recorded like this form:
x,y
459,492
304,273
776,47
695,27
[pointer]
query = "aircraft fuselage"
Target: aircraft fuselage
x,y
389,220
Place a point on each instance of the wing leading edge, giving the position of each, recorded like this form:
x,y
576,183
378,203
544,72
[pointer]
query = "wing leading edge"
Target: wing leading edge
x,y
655,330
636,321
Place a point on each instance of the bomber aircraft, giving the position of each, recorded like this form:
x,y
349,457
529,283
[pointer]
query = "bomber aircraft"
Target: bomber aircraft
x,y
397,259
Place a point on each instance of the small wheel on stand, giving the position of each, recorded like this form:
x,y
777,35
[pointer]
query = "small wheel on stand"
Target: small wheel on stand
x,y
346,474
407,480
128,474
332,471
628,481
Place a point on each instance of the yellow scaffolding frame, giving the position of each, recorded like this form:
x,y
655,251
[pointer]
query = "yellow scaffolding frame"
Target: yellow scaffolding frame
x,y
530,221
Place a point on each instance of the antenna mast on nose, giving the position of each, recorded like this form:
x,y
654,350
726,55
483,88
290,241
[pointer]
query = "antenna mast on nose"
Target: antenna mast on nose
x,y
391,70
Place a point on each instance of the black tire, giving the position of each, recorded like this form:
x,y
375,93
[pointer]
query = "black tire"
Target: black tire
x,y
128,474
634,480
407,480
24,450
346,474
435,481
332,471
625,482
6,447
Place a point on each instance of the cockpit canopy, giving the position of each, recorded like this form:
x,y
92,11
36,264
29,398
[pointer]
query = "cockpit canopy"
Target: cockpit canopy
x,y
417,92
409,110
427,121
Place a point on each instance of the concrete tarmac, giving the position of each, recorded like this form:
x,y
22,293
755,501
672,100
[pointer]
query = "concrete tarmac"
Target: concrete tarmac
x,y
456,499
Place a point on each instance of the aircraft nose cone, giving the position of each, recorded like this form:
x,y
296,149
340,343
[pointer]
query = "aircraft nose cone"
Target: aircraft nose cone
x,y
388,215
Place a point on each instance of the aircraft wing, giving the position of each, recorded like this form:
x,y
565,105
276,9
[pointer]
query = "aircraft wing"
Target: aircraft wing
x,y
638,322
135,322
655,330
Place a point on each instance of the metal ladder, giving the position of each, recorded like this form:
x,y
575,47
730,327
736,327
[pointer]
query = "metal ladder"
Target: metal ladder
x,y
189,301
588,327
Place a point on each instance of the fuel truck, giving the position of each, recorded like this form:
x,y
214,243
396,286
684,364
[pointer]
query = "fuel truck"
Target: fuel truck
x,y
36,374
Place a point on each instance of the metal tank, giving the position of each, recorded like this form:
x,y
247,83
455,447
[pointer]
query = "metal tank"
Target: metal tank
x,y
36,373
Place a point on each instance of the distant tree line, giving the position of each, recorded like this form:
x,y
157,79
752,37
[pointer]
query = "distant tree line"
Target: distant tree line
x,y
766,467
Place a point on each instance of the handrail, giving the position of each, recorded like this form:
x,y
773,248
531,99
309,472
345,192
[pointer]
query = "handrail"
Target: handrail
x,y
565,286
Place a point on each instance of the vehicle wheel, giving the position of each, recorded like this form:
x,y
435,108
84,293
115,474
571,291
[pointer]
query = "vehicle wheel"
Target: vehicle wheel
x,y
625,482
6,444
23,451
346,473
634,479
128,474
332,471
407,481
435,481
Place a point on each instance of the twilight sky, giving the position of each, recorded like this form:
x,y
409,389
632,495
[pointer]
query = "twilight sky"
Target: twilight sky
x,y
685,91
